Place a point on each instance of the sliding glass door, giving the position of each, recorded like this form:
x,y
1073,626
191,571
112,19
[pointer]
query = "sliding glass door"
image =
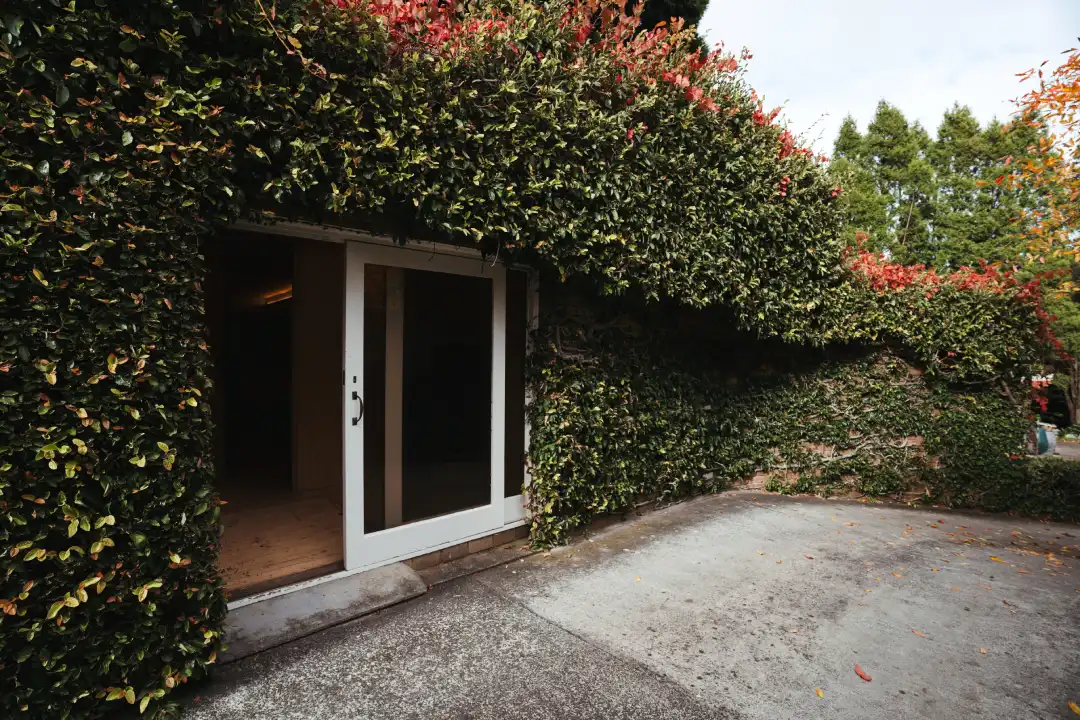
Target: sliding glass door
x,y
425,398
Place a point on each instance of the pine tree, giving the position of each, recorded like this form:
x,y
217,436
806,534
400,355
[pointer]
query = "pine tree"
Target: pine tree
x,y
890,180
897,154
977,216
866,208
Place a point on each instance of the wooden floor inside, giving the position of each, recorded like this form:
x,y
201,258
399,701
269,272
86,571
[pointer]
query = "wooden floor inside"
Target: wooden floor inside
x,y
273,541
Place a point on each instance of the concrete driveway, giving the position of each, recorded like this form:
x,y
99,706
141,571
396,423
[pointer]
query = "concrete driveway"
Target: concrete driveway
x,y
734,606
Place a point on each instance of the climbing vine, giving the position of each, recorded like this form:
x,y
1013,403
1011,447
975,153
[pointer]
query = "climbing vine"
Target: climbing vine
x,y
636,402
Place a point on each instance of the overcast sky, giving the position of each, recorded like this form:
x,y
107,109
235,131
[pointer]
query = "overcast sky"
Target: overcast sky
x,y
824,59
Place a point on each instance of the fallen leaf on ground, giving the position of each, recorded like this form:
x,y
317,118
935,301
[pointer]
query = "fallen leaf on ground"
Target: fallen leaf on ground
x,y
956,588
760,553
808,557
1024,572
859,671
779,562
983,651
820,694
868,591
995,558
794,630
918,633
851,524
897,575
637,579
984,587
1074,707
935,569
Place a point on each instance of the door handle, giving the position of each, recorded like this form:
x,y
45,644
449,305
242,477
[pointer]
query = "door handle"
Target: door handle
x,y
357,398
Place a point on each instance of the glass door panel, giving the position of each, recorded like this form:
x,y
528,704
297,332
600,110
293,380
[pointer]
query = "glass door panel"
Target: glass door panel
x,y
446,394
426,345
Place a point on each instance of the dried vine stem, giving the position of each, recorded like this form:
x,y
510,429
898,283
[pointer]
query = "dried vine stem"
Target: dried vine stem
x,y
291,48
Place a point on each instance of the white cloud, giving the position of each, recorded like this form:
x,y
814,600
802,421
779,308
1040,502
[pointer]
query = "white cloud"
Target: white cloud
x,y
825,59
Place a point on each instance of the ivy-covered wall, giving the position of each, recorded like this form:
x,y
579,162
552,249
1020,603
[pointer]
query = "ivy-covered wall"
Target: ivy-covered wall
x,y
637,401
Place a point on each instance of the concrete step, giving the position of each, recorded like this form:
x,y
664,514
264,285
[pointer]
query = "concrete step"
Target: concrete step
x,y
282,618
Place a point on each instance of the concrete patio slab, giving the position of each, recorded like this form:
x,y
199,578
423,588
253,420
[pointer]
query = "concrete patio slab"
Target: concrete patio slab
x,y
460,652
757,601
735,606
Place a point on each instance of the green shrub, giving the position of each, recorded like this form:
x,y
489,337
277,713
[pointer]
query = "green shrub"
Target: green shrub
x,y
632,403
108,518
1050,488
130,131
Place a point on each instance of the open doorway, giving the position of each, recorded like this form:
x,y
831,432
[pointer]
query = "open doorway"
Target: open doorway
x,y
275,316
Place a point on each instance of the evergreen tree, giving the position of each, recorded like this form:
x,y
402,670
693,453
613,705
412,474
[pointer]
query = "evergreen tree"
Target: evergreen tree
x,y
891,182
977,216
657,11
865,207
948,202
896,153
940,202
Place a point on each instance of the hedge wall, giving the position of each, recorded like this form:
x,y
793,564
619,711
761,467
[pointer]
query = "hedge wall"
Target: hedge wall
x,y
108,518
636,401
552,133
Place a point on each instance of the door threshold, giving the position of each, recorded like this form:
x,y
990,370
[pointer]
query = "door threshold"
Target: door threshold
x,y
259,626
235,605
268,586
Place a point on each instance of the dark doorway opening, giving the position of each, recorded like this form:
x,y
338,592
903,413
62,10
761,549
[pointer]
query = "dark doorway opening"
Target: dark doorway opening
x,y
274,316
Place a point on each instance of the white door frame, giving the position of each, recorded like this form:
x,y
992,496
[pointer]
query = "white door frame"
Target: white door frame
x,y
513,508
366,549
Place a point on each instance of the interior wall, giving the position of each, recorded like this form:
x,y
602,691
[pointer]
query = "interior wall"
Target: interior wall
x,y
318,352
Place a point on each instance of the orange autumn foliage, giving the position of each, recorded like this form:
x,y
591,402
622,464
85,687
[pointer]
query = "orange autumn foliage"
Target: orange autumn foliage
x,y
1055,170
